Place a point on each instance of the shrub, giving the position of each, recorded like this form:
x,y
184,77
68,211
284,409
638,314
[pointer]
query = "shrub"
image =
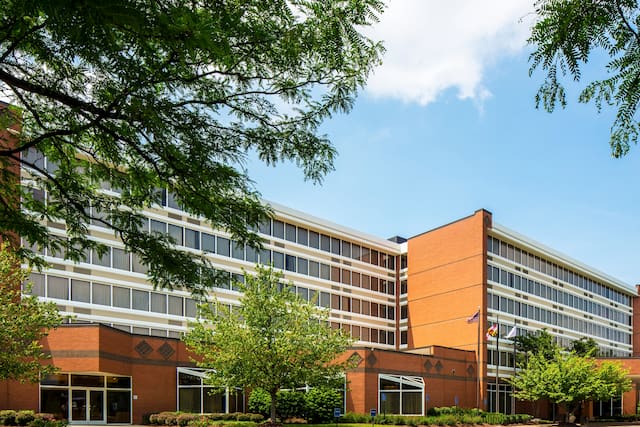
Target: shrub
x,y
290,404
256,418
185,419
47,420
494,418
353,418
8,417
24,417
259,402
320,403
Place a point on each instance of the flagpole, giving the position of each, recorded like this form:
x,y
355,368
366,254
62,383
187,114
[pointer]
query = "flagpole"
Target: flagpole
x,y
513,389
478,363
498,365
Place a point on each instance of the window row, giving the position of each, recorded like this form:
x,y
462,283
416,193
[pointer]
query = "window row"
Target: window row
x,y
520,256
557,296
555,319
63,288
502,358
333,245
363,333
122,260
271,227
340,302
227,247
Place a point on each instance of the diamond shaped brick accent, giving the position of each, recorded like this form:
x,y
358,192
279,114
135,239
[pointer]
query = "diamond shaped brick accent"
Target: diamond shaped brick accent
x,y
428,365
438,366
166,351
356,359
470,370
143,348
371,359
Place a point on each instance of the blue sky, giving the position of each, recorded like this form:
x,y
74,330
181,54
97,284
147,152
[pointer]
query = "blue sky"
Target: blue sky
x,y
422,148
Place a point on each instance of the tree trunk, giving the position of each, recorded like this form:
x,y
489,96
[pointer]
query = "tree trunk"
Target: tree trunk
x,y
272,412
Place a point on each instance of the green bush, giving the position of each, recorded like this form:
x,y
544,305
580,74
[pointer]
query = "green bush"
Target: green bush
x,y
290,404
185,419
259,402
8,417
320,403
23,418
495,418
353,418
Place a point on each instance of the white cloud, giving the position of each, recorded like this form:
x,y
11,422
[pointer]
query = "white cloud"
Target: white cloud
x,y
435,45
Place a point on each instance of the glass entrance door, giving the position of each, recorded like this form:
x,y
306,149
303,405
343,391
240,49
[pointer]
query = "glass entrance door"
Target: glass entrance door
x,y
87,405
96,405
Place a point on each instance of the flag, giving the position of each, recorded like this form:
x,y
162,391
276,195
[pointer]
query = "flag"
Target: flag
x,y
492,331
512,333
475,318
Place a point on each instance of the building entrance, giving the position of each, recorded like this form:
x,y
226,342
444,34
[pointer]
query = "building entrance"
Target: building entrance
x,y
87,399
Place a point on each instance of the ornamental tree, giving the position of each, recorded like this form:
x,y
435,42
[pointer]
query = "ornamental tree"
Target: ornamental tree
x,y
567,35
569,380
127,97
24,321
272,340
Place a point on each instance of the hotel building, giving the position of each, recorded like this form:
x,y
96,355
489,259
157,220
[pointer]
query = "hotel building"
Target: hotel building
x,y
406,302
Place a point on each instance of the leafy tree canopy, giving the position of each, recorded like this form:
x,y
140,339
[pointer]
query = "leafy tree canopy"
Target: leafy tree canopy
x,y
137,95
273,340
23,322
569,379
567,34
540,342
585,346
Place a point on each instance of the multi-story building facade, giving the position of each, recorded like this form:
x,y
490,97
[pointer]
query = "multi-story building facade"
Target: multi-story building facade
x,y
406,302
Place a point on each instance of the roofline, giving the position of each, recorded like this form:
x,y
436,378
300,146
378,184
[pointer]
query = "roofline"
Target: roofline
x,y
328,226
451,222
539,247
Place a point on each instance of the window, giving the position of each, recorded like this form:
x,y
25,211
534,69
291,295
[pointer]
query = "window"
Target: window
x,y
158,227
208,243
175,305
58,287
175,232
290,232
140,300
103,260
191,238
278,260
80,291
121,297
195,396
314,240
158,302
303,266
121,259
290,263
101,294
223,246
251,255
325,243
335,246
238,250
402,395
303,236
278,229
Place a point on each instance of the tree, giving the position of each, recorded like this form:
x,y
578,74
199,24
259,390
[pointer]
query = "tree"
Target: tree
x,y
569,380
566,34
23,322
138,96
273,340
585,347
540,342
